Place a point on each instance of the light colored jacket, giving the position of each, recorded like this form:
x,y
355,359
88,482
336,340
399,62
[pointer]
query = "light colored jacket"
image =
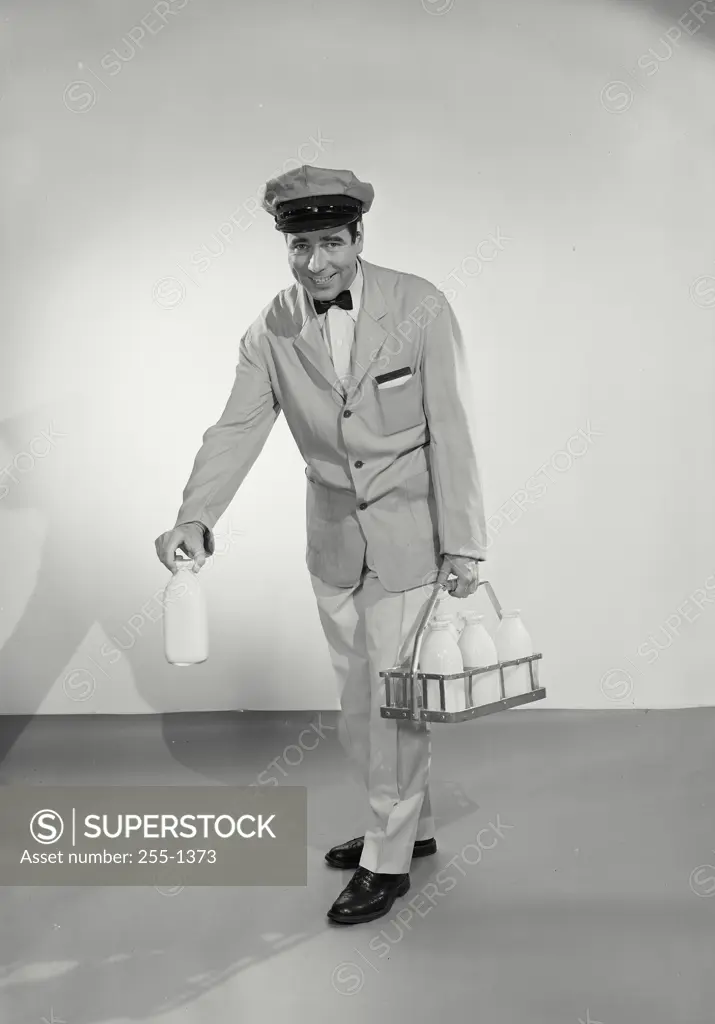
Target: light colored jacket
x,y
391,468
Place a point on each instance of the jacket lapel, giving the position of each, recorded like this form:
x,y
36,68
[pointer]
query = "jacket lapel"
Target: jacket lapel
x,y
370,335
370,329
310,341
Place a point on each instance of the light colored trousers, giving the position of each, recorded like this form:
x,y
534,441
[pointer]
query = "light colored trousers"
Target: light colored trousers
x,y
369,630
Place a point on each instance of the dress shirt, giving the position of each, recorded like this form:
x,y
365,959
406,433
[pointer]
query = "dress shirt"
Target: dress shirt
x,y
338,328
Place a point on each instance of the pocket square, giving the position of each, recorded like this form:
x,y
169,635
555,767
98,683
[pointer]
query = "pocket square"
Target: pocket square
x,y
393,378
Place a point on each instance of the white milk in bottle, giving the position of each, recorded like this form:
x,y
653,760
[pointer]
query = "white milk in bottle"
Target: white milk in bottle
x,y
186,634
440,655
512,641
478,651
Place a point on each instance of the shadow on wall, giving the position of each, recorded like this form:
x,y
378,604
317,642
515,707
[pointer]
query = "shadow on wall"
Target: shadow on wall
x,y
695,19
57,462
682,24
668,30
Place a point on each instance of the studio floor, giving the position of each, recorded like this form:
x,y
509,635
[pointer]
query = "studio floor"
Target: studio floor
x,y
592,900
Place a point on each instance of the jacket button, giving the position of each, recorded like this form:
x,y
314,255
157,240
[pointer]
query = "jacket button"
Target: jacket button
x,y
347,413
359,464
364,505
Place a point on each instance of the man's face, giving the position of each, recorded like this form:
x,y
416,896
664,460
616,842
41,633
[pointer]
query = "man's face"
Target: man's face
x,y
324,262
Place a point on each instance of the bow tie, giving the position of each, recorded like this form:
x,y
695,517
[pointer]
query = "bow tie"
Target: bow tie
x,y
344,300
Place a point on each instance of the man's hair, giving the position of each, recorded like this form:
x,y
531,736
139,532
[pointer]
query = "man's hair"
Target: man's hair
x,y
352,228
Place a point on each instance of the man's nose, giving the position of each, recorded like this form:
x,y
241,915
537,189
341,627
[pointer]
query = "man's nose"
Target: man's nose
x,y
317,261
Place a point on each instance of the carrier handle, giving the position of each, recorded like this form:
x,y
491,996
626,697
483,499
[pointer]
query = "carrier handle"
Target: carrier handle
x,y
450,586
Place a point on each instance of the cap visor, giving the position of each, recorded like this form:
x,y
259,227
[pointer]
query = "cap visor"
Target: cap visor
x,y
298,226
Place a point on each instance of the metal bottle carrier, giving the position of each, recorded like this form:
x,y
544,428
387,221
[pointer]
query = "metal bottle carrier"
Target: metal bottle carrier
x,y
406,698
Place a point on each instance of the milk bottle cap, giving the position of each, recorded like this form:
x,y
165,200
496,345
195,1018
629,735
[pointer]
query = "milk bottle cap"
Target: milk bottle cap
x,y
472,616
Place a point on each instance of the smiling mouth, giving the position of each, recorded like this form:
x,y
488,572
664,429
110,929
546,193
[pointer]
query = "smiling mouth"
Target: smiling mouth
x,y
322,280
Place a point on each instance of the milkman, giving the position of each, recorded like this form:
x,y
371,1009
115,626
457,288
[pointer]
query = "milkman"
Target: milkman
x,y
369,367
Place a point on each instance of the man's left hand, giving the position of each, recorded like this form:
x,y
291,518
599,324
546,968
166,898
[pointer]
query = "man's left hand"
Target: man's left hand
x,y
465,569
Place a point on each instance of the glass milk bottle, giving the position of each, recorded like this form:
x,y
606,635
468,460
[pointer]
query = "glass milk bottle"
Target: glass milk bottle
x,y
512,641
448,619
440,655
186,634
478,651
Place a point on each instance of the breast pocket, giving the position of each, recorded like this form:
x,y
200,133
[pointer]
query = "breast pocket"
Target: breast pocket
x,y
399,402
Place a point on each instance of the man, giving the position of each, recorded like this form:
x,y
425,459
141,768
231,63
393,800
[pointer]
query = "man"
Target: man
x,y
368,366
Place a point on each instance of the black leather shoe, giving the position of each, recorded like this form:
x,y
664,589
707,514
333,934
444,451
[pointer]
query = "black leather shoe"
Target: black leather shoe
x,y
367,895
348,854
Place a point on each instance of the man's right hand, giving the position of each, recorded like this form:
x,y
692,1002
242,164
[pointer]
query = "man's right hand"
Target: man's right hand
x,y
189,537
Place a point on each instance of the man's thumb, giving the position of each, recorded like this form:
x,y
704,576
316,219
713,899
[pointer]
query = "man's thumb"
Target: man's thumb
x,y
196,554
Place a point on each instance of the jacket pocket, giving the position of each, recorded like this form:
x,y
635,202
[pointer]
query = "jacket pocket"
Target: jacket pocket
x,y
400,405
